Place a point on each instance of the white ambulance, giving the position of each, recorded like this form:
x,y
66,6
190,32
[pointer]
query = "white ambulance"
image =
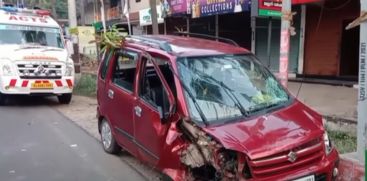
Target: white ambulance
x,y
33,57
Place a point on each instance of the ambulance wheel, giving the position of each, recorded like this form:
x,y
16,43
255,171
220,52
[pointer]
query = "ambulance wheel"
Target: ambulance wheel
x,y
3,99
65,98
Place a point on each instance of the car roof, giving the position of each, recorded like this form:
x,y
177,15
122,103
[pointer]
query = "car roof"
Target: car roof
x,y
183,46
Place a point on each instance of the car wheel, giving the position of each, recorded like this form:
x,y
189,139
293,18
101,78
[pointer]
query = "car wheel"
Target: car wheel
x,y
108,141
65,98
3,99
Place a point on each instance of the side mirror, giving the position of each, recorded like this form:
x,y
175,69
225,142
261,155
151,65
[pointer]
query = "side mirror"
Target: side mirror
x,y
164,116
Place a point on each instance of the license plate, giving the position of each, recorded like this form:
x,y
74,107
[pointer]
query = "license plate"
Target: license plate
x,y
308,178
42,86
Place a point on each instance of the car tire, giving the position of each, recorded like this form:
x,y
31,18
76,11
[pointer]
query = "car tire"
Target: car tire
x,y
165,177
108,141
65,98
3,99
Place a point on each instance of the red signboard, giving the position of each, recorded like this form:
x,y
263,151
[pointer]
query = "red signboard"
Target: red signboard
x,y
273,7
277,4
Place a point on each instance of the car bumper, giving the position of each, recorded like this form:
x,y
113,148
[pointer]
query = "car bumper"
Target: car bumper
x,y
322,170
17,86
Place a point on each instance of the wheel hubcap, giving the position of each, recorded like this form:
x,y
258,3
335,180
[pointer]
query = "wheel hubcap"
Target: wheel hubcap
x,y
106,135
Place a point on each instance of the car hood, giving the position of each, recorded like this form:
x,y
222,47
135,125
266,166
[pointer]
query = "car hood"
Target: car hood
x,y
17,53
272,133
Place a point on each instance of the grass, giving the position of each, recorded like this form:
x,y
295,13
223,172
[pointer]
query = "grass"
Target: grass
x,y
344,142
87,85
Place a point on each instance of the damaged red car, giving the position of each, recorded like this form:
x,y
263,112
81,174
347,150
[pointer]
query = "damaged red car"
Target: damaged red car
x,y
198,109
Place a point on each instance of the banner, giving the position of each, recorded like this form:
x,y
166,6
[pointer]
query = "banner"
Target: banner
x,y
200,8
145,17
179,7
274,7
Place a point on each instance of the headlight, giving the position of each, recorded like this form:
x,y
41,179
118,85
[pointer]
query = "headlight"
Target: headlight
x,y
69,70
6,68
327,141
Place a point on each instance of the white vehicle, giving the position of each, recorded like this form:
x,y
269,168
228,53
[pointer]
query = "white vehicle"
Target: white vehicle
x,y
33,57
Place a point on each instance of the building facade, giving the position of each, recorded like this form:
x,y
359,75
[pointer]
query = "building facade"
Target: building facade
x,y
320,46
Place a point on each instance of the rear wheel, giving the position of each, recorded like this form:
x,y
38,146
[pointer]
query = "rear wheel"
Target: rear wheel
x,y
3,99
108,141
65,98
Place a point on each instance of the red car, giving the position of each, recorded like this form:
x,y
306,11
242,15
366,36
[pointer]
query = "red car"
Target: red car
x,y
198,109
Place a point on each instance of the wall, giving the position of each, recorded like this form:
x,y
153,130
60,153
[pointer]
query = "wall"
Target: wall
x,y
137,6
323,35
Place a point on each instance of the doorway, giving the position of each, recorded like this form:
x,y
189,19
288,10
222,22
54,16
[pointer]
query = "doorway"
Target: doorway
x,y
349,53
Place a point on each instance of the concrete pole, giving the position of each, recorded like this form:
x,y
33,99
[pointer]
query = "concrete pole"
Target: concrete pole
x,y
82,12
72,13
154,16
74,38
362,93
285,41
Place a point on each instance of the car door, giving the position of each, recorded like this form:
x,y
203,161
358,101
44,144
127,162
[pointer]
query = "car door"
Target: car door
x,y
153,101
101,81
121,96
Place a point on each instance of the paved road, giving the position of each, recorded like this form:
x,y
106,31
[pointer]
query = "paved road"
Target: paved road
x,y
37,143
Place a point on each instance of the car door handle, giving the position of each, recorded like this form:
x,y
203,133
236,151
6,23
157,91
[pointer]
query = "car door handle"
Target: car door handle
x,y
111,93
137,111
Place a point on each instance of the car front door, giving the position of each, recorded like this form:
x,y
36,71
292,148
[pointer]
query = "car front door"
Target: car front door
x,y
154,100
121,95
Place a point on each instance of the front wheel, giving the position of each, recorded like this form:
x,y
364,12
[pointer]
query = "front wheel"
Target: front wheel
x,y
108,141
65,98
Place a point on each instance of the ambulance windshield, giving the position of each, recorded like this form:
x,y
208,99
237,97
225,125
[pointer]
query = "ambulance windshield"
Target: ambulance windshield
x,y
21,35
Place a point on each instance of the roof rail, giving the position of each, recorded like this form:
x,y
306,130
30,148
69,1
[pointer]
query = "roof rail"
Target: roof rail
x,y
225,40
163,45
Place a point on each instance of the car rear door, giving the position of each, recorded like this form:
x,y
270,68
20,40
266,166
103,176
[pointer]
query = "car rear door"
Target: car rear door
x,y
153,100
101,81
121,96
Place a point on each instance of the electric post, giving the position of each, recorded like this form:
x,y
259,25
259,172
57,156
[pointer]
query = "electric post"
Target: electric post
x,y
153,10
74,38
362,97
285,41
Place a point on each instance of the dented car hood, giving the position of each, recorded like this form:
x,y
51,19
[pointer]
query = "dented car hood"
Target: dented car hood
x,y
269,134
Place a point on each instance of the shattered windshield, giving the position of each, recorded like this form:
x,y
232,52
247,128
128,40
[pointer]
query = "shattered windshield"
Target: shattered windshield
x,y
229,86
21,35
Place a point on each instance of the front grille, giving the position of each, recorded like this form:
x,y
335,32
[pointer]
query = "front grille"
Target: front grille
x,y
322,177
276,164
39,71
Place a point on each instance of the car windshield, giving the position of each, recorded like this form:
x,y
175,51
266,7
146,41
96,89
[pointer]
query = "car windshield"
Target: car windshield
x,y
20,35
228,86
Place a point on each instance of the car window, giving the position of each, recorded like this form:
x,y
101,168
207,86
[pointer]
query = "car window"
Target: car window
x,y
124,70
106,60
152,89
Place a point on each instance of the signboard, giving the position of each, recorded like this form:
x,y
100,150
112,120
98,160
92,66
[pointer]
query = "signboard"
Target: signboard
x,y
274,7
179,6
200,8
145,16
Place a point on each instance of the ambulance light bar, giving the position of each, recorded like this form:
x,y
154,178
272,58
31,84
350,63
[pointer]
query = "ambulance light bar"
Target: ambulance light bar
x,y
21,10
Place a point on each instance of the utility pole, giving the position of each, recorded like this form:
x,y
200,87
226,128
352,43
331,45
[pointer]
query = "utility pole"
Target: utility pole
x,y
82,12
154,16
362,93
74,38
285,41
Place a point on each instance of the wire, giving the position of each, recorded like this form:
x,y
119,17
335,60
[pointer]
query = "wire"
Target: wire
x,y
299,90
338,7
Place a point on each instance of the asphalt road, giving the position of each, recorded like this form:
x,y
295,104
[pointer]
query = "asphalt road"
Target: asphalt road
x,y
37,143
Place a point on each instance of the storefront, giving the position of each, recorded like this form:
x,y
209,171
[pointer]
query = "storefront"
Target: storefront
x,y
227,19
330,50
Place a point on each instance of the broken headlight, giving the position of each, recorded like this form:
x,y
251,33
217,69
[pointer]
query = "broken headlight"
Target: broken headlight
x,y
327,141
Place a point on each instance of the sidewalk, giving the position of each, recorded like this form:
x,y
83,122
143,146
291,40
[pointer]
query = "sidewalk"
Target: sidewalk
x,y
332,101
